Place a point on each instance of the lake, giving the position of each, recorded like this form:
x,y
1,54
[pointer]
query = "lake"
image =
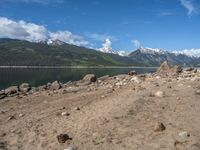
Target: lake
x,y
41,76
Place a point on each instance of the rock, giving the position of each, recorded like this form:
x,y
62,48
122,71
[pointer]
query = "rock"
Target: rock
x,y
11,90
11,118
2,94
62,138
160,94
159,127
189,69
184,134
65,114
21,115
197,92
55,86
132,73
136,79
77,108
70,148
90,78
167,69
177,69
3,145
24,87
104,78
42,88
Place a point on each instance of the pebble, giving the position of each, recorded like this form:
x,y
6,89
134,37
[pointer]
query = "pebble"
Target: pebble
x,y
184,134
70,148
197,92
65,114
159,127
11,118
21,115
160,94
77,108
62,138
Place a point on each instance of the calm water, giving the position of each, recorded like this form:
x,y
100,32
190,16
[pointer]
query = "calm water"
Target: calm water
x,y
38,77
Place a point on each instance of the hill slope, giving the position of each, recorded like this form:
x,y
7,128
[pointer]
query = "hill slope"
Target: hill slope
x,y
20,52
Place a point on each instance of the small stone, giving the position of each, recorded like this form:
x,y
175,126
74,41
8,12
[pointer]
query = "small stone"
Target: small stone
x,y
77,108
197,92
184,134
2,134
65,114
160,94
159,127
62,138
11,118
70,148
21,115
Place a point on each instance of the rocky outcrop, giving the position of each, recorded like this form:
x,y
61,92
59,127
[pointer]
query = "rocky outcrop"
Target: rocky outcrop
x,y
167,69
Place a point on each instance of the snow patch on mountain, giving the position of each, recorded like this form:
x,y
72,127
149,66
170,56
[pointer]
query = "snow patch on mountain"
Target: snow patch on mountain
x,y
188,52
153,51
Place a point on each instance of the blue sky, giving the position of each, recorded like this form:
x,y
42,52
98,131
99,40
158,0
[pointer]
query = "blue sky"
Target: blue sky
x,y
166,24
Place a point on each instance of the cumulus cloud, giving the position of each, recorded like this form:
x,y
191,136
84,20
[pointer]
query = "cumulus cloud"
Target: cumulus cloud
x,y
34,33
188,4
136,43
68,37
107,46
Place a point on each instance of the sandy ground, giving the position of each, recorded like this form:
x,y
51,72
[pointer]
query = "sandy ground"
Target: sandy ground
x,y
119,113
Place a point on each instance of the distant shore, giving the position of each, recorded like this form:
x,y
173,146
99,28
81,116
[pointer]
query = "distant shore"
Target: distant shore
x,y
62,67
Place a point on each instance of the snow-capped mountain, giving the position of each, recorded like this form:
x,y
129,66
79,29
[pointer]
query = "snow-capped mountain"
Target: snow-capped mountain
x,y
154,57
188,52
152,50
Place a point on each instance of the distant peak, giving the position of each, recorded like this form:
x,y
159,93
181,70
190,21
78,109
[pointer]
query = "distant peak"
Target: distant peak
x,y
148,50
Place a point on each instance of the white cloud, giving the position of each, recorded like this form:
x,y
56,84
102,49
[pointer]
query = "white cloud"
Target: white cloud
x,y
68,37
188,4
136,43
34,33
107,46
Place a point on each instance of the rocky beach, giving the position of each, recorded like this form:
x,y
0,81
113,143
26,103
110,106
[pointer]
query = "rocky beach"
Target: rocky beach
x,y
158,111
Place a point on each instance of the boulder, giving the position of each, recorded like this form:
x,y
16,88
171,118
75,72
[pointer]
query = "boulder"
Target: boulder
x,y
132,73
167,69
55,86
24,87
90,78
2,94
11,90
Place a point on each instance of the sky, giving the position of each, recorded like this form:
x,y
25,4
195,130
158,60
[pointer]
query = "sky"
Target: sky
x,y
122,24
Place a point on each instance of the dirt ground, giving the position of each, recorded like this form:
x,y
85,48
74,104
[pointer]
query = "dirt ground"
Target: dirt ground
x,y
117,113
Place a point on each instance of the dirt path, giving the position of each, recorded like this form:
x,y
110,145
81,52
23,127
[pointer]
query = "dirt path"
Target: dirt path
x,y
111,117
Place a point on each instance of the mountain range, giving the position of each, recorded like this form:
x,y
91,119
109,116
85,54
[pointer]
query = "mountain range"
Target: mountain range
x,y
15,52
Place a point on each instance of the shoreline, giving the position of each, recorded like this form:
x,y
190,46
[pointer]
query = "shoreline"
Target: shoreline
x,y
63,67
